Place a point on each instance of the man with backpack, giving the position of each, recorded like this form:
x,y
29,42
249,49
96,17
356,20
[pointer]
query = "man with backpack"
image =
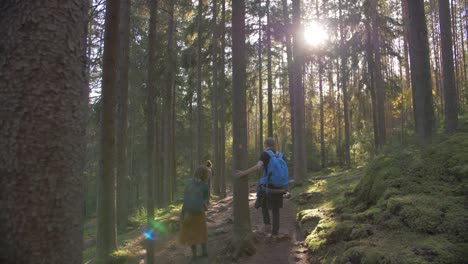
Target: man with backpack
x,y
272,185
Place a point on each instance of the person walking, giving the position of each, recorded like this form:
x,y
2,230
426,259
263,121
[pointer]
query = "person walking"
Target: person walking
x,y
194,230
269,196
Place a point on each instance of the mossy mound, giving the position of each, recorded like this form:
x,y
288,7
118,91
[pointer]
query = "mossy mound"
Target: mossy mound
x,y
410,206
422,189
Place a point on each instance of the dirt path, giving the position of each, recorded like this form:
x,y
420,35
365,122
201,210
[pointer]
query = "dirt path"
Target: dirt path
x,y
284,250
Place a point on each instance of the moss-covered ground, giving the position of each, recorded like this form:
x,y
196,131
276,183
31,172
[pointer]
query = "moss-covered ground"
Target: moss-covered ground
x,y
408,205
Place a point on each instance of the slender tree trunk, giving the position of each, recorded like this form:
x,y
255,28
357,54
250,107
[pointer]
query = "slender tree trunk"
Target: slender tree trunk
x,y
242,230
320,72
404,4
420,71
344,78
450,95
150,115
299,153
270,75
199,88
322,117
371,70
169,174
378,73
222,91
42,130
214,101
289,56
260,76
123,182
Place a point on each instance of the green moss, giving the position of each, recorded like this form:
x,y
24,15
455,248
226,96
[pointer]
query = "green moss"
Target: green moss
x,y
408,207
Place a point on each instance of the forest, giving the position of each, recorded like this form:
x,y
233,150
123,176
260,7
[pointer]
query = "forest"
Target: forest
x,y
109,110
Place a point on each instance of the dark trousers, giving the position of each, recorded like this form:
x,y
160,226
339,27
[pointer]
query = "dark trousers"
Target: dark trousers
x,y
276,218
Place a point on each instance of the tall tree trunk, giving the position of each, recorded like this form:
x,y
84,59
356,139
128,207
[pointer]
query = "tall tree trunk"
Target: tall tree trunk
x,y
242,229
322,121
106,220
260,76
214,101
436,71
344,79
289,56
199,88
270,75
420,71
43,100
404,4
123,182
371,70
168,106
299,153
151,110
378,72
322,117
450,94
222,91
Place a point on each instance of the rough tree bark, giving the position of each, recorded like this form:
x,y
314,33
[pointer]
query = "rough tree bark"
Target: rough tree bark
x,y
123,182
199,88
242,233
420,71
450,91
43,99
214,101
379,84
344,79
299,153
222,91
290,62
270,76
106,218
150,114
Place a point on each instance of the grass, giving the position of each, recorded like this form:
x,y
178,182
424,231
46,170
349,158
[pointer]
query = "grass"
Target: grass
x,y
410,205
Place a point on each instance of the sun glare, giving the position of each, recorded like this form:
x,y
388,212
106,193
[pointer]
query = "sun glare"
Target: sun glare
x,y
315,34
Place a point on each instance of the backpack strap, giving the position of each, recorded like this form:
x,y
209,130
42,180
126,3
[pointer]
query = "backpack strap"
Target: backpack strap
x,y
270,153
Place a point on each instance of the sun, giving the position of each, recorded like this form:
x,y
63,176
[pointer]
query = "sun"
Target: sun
x,y
315,34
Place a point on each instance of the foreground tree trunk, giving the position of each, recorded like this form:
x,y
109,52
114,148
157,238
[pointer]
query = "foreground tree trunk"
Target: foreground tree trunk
x,y
150,115
420,71
242,243
299,153
106,217
123,182
43,98
450,91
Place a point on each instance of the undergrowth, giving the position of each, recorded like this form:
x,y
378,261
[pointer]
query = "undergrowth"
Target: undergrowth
x,y
409,206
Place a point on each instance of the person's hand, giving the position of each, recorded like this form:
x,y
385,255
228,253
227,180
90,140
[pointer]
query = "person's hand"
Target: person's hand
x,y
238,174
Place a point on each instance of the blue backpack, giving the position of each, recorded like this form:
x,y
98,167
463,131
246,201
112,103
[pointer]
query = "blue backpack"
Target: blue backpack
x,y
277,171
193,197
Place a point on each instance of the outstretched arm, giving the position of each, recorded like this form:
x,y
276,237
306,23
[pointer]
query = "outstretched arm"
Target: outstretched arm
x,y
239,174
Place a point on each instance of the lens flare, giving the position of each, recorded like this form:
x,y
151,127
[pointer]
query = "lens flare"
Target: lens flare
x,y
154,230
149,235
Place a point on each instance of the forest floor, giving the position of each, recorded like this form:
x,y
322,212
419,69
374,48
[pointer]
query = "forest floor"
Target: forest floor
x,y
286,248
